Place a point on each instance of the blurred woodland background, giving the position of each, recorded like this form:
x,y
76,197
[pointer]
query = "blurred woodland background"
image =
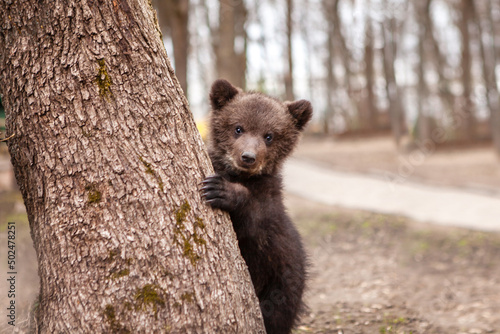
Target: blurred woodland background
x,y
422,70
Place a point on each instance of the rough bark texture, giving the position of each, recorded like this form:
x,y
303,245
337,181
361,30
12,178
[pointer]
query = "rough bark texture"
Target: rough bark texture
x,y
108,161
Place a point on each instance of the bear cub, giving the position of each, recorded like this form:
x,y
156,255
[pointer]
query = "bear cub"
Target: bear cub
x,y
251,134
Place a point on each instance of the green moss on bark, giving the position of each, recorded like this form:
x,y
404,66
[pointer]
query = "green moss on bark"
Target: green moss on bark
x,y
94,195
186,242
103,79
149,296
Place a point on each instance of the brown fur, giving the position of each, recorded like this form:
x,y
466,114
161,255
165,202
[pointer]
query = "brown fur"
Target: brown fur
x,y
251,135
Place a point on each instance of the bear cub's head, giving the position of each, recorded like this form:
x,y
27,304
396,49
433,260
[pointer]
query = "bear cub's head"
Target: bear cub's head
x,y
252,133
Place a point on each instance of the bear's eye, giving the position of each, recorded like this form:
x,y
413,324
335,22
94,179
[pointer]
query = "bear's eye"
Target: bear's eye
x,y
238,130
269,138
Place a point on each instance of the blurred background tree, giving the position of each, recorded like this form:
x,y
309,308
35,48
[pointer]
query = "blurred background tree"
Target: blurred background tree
x,y
419,70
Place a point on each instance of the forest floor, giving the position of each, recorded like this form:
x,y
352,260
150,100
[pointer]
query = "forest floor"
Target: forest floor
x,y
370,273
374,273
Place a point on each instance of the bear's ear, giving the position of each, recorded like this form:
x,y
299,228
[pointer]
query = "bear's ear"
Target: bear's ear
x,y
301,110
221,93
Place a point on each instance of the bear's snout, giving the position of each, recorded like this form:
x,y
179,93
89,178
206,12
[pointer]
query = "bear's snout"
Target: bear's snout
x,y
248,153
248,158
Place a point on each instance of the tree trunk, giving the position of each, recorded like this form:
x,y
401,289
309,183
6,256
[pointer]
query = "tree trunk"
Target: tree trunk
x,y
174,17
108,160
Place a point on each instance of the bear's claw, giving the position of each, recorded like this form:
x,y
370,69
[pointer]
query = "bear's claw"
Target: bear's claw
x,y
214,191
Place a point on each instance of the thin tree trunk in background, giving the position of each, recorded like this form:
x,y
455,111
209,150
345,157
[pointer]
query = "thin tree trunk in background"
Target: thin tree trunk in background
x,y
240,51
495,20
174,17
341,44
108,160
289,53
304,20
331,82
495,112
198,44
444,90
230,42
396,111
488,57
342,51
465,119
423,122
224,41
336,47
369,120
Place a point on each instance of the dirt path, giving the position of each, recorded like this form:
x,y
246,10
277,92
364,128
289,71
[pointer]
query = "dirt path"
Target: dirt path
x,y
423,202
475,169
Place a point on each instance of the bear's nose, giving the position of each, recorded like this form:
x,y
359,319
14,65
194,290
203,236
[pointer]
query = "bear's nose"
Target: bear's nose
x,y
248,158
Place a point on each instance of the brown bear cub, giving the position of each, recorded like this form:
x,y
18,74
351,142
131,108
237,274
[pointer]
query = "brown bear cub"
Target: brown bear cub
x,y
251,135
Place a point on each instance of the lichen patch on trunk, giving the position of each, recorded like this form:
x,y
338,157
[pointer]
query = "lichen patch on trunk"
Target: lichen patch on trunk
x,y
103,79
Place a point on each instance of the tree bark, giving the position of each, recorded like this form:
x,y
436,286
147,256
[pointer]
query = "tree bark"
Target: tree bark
x,y
108,160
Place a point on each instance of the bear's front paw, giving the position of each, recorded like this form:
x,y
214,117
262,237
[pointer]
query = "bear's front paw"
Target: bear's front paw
x,y
215,193
222,194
